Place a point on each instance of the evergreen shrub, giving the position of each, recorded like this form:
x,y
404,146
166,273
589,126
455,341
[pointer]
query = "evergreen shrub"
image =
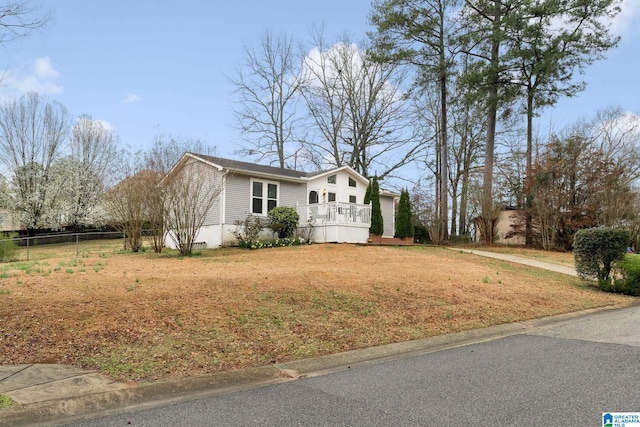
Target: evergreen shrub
x,y
596,250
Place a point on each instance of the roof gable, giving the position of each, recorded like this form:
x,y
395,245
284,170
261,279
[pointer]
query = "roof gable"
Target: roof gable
x,y
248,168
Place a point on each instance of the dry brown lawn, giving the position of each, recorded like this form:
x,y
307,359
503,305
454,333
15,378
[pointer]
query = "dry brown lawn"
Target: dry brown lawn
x,y
144,317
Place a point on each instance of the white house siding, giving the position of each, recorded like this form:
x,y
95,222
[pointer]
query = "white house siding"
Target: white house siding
x,y
340,188
214,180
237,202
292,194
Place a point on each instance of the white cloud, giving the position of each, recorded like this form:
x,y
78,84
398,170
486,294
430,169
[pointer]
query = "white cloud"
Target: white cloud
x,y
103,123
106,125
41,78
131,98
627,20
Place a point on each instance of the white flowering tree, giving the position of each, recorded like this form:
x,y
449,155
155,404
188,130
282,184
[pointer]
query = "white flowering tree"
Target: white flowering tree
x,y
32,131
93,158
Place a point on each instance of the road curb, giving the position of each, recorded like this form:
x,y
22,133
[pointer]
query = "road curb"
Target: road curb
x,y
154,394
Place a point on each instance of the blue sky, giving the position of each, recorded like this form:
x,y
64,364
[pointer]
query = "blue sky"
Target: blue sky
x,y
158,67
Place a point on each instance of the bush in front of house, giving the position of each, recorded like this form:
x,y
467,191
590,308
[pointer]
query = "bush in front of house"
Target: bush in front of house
x,y
626,277
284,221
597,250
8,246
249,229
277,243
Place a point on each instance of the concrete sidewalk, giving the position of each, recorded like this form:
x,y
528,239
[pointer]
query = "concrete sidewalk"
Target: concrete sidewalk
x,y
521,260
45,393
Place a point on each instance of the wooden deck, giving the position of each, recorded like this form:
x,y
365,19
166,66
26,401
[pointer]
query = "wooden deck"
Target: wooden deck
x,y
389,241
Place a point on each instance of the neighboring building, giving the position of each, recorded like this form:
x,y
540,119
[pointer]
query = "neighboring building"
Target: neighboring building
x,y
329,202
8,220
508,221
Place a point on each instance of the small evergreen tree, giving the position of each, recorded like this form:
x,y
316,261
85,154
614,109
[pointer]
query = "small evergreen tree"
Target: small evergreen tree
x,y
404,220
377,224
367,194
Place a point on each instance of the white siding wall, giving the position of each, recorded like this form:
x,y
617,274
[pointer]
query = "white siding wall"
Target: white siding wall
x,y
292,194
340,188
238,193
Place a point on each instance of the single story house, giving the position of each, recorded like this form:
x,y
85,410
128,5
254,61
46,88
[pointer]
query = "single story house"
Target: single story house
x,y
330,203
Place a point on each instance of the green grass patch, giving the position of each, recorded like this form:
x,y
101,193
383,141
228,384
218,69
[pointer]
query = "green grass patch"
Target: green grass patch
x,y
125,361
6,402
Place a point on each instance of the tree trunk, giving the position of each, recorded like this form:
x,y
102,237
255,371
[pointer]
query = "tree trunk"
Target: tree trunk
x,y
528,228
492,110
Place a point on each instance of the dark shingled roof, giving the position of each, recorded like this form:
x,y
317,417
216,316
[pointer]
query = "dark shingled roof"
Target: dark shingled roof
x,y
239,166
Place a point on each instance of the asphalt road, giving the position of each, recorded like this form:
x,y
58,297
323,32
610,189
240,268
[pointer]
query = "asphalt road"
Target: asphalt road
x,y
566,373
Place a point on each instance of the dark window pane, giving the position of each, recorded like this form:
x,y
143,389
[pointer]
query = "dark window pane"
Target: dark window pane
x,y
352,182
313,197
332,197
272,190
257,205
257,189
331,179
270,204
352,199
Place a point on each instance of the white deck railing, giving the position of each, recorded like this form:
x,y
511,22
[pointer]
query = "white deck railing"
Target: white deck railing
x,y
335,213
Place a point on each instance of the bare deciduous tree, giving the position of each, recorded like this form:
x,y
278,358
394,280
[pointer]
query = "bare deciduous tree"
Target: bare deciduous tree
x,y
190,192
18,19
127,206
160,158
359,113
267,95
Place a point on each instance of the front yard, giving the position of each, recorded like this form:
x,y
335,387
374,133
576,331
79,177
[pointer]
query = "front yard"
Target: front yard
x,y
144,317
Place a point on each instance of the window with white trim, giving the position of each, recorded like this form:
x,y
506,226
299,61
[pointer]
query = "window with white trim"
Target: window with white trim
x,y
331,179
352,182
264,196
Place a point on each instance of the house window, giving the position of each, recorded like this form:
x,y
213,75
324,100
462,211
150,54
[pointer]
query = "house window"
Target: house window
x,y
313,197
331,179
352,199
332,197
352,182
264,197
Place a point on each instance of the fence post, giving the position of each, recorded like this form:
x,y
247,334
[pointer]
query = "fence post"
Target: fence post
x,y
27,247
77,249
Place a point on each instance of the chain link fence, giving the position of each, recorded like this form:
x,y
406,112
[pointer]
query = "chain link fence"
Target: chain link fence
x,y
65,244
